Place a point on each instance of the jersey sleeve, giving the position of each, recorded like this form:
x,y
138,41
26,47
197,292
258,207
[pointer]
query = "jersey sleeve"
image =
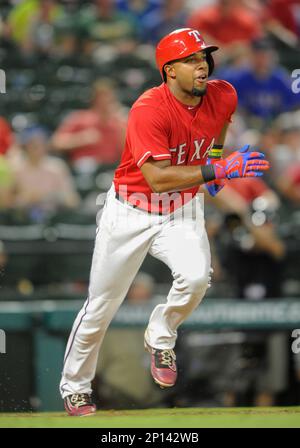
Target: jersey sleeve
x,y
147,135
230,99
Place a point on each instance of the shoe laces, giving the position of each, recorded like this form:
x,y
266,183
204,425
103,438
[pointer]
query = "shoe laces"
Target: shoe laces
x,y
167,357
80,399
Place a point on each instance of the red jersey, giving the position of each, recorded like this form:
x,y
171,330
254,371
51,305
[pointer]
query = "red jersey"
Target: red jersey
x,y
249,188
161,127
108,148
293,174
238,26
6,136
287,12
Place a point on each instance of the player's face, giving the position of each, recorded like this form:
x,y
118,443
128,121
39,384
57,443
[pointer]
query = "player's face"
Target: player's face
x,y
191,74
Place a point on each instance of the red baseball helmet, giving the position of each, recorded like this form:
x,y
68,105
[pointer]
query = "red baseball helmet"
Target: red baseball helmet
x,y
180,44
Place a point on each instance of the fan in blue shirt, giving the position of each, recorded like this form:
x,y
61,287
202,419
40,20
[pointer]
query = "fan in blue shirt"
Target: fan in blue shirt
x,y
264,88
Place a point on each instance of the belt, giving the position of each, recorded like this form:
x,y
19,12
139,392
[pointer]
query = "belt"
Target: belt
x,y
135,206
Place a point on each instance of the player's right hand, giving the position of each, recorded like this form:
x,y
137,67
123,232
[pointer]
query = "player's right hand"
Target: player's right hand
x,y
241,163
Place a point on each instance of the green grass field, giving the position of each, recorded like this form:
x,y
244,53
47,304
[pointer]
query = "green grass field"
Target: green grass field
x,y
275,417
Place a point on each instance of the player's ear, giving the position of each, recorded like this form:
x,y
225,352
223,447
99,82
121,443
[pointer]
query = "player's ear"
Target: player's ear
x,y
170,71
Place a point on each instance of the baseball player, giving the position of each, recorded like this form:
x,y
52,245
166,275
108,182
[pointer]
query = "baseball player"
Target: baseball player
x,y
173,145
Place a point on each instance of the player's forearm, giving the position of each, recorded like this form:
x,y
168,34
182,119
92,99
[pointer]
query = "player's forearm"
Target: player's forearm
x,y
162,177
176,178
281,32
266,239
65,142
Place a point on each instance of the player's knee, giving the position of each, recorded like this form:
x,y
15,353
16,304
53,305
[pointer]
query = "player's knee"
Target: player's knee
x,y
194,283
198,284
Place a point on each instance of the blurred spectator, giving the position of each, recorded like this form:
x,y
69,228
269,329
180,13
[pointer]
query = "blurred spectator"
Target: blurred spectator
x,y
31,24
6,183
227,24
67,31
139,8
42,183
289,183
256,252
283,20
3,259
103,24
156,24
285,157
141,289
264,87
286,150
96,134
4,27
66,45
267,140
6,136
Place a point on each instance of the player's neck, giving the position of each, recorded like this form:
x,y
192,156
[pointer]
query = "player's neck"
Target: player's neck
x,y
184,98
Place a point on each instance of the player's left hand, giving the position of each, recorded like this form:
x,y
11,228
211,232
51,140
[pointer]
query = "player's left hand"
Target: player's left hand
x,y
241,163
214,187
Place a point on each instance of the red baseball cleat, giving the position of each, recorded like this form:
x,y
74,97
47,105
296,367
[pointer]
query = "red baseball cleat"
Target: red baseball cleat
x,y
79,405
163,366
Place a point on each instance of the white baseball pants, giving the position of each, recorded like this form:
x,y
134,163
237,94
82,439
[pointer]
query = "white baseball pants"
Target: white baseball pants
x,y
124,237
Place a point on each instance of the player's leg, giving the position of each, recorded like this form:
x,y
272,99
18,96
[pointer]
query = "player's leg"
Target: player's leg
x,y
121,245
183,245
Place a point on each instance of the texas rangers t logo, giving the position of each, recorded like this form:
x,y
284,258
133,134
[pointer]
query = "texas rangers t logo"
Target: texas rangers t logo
x,y
196,35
